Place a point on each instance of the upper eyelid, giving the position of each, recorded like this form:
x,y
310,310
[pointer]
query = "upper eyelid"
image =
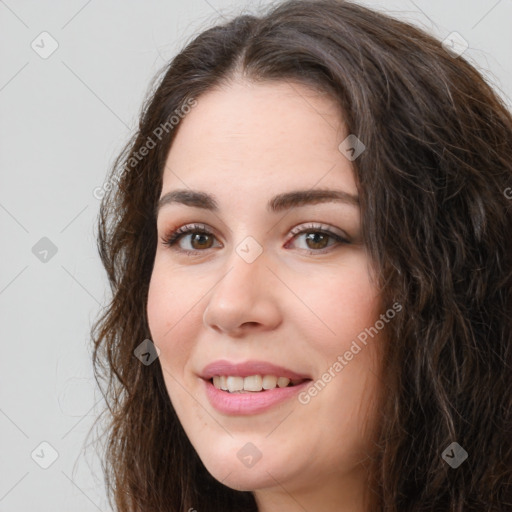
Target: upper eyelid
x,y
318,226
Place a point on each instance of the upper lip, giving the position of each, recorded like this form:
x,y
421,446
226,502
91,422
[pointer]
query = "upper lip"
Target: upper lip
x,y
248,368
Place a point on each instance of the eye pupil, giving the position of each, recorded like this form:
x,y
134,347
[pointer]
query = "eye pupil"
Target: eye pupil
x,y
197,237
312,237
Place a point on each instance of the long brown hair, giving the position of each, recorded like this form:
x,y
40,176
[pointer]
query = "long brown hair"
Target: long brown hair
x,y
436,220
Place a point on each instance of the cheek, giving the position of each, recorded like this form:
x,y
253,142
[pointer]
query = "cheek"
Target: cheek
x,y
343,302
171,316
174,324
161,300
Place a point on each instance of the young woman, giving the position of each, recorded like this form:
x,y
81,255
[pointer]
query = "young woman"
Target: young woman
x,y
308,243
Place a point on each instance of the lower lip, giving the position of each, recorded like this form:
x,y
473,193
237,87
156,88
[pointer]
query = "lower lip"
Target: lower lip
x,y
250,402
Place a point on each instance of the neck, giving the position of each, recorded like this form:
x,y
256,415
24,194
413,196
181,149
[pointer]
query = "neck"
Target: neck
x,y
336,493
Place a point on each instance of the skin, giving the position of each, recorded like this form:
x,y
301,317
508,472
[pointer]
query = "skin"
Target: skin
x,y
245,143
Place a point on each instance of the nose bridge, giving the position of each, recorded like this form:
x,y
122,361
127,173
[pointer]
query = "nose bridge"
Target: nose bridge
x,y
241,283
243,294
246,269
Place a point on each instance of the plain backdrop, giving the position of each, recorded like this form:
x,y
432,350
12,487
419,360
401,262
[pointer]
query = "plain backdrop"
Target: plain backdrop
x,y
63,119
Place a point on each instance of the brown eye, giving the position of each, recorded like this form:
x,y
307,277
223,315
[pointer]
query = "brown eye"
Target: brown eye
x,y
200,238
317,240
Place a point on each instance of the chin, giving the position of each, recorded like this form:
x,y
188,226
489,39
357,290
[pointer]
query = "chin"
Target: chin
x,y
238,464
244,479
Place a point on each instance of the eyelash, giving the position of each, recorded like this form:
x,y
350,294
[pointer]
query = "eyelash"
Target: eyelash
x,y
173,237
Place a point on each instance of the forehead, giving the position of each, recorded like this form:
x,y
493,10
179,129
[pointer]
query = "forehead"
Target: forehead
x,y
265,135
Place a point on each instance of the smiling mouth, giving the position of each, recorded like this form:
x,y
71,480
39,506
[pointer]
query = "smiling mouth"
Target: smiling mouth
x,y
253,383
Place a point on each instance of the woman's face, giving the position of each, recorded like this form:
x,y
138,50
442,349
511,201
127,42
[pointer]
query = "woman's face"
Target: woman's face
x,y
267,290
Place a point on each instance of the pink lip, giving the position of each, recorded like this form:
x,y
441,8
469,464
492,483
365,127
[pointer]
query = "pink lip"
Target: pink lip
x,y
249,402
223,367
238,404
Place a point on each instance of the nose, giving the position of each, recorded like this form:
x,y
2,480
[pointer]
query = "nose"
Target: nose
x,y
245,298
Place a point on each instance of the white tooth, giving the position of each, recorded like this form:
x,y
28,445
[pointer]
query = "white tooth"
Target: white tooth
x,y
235,384
282,382
269,382
252,383
223,383
216,382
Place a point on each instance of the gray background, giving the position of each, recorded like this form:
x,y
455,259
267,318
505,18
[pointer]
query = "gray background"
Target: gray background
x,y
62,120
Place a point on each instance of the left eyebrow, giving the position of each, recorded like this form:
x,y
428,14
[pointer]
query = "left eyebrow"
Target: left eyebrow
x,y
280,202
